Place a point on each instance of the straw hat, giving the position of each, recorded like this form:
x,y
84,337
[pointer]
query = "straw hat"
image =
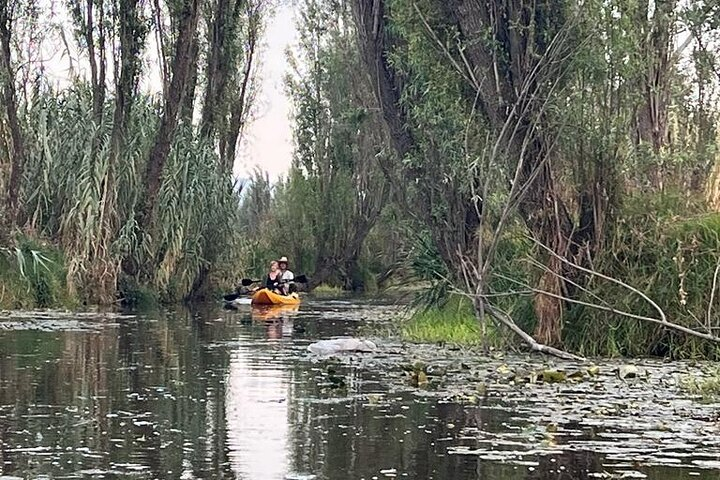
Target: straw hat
x,y
283,260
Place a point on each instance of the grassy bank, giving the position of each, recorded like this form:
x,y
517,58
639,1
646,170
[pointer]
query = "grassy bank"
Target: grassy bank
x,y
668,247
452,322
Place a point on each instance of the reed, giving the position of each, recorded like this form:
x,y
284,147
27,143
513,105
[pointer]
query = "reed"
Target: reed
x,y
32,275
669,250
87,203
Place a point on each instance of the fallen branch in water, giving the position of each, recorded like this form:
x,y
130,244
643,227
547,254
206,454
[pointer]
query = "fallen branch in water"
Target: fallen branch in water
x,y
508,322
483,307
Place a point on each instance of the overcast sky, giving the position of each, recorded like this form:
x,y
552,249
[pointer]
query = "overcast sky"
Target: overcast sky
x,y
269,138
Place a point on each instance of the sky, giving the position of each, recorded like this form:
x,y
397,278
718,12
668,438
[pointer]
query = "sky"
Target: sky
x,y
268,142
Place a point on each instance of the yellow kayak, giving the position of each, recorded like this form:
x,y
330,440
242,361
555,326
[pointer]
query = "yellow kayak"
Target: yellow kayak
x,y
267,297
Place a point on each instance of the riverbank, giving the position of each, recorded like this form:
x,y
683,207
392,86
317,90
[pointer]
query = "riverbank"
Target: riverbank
x,y
671,259
660,259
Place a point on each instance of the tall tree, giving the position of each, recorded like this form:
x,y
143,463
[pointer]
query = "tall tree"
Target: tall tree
x,y
512,58
181,64
337,141
7,78
242,98
425,176
520,52
234,28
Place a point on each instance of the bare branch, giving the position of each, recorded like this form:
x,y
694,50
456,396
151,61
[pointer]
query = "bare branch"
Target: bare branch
x,y
504,319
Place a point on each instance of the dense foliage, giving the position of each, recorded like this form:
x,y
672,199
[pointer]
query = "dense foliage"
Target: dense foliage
x,y
517,140
137,191
554,163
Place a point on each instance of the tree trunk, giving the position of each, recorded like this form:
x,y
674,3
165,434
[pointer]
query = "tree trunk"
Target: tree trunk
x,y
370,19
652,125
127,70
187,110
657,47
217,69
161,46
17,155
239,110
181,67
97,69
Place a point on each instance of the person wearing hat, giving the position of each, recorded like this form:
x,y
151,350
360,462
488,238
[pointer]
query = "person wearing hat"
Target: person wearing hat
x,y
286,276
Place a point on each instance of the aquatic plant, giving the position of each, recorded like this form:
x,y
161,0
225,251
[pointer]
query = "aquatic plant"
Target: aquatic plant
x,y
453,322
706,384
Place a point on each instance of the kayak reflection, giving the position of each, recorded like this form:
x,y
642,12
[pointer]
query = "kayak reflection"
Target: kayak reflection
x,y
277,319
272,312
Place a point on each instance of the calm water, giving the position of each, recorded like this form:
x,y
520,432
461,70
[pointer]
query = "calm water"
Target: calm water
x,y
223,394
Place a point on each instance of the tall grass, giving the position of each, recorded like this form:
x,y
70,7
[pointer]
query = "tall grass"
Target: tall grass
x,y
77,195
453,322
32,275
668,249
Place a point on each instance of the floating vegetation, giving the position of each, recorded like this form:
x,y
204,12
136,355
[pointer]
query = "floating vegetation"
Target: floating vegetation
x,y
706,384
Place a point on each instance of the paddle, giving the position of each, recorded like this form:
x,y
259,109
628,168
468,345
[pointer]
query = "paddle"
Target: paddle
x,y
246,282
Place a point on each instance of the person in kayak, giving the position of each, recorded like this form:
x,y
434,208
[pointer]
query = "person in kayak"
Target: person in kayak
x,y
287,285
272,281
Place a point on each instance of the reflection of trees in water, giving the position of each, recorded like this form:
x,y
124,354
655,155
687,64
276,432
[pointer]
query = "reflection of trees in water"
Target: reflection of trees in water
x,y
124,367
104,390
349,438
576,466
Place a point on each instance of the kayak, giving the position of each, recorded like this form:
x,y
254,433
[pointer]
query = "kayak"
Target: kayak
x,y
267,297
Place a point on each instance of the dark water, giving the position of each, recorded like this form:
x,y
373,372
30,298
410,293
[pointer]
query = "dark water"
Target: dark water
x,y
218,394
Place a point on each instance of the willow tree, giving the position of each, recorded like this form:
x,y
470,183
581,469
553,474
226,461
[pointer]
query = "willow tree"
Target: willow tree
x,y
510,65
533,107
189,14
234,29
504,63
337,140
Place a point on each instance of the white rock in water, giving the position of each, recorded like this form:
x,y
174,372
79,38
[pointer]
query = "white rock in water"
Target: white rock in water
x,y
327,347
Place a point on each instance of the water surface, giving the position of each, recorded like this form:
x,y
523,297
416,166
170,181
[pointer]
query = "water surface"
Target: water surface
x,y
210,393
